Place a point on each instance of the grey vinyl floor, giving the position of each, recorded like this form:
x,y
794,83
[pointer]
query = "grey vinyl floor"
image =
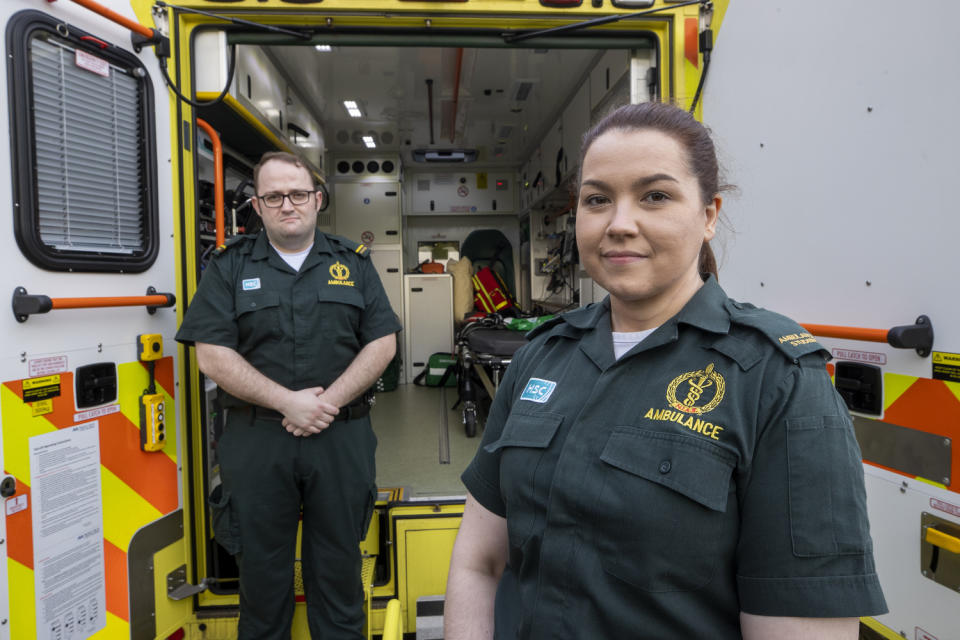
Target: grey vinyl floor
x,y
412,452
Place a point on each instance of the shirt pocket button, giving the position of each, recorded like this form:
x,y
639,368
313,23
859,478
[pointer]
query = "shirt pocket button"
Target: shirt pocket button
x,y
665,466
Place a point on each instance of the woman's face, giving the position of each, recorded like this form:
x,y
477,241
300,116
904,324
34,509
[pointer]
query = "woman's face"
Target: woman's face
x,y
641,219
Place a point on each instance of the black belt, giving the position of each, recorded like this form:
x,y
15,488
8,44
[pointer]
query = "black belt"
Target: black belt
x,y
354,411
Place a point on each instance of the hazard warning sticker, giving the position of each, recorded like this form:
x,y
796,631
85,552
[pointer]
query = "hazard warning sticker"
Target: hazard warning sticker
x,y
946,366
41,408
36,389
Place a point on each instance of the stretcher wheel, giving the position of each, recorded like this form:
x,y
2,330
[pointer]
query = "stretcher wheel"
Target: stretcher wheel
x,y
470,420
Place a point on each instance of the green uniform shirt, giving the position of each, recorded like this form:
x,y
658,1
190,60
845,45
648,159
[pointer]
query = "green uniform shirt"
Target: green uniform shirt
x,y
712,469
300,329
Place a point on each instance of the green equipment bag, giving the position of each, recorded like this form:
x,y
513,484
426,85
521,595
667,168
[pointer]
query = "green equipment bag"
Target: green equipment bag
x,y
389,380
438,366
526,324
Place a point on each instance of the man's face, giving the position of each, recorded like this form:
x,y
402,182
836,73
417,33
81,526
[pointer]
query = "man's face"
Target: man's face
x,y
289,226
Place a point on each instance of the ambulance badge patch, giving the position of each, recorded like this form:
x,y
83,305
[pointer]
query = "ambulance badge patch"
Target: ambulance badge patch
x,y
340,274
538,390
251,284
701,391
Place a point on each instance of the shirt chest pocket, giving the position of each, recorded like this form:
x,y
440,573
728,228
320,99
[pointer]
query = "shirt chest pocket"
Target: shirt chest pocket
x,y
663,514
526,470
258,317
339,307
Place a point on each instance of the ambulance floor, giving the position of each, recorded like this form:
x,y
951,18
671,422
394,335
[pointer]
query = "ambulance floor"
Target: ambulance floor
x,y
413,442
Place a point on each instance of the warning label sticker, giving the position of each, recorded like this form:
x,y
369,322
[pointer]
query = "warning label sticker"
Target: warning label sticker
x,y
36,389
92,63
41,408
946,366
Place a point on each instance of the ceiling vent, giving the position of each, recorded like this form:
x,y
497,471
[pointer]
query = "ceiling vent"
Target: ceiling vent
x,y
366,167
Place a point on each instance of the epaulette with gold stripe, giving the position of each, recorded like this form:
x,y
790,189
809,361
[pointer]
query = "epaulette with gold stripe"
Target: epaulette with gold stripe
x,y
346,244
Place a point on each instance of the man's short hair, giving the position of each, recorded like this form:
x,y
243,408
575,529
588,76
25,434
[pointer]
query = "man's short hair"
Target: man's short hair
x,y
281,156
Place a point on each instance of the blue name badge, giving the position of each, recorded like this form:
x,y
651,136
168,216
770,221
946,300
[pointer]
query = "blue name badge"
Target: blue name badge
x,y
252,283
538,390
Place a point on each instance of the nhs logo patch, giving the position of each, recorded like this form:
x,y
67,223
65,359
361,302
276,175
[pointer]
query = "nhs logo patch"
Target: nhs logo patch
x,y
538,390
251,284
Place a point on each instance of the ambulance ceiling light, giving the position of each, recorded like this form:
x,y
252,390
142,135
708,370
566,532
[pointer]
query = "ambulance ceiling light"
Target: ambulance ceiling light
x,y
444,155
352,109
325,48
368,140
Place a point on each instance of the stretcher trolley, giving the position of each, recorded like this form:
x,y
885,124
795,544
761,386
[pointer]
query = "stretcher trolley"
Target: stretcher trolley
x,y
485,349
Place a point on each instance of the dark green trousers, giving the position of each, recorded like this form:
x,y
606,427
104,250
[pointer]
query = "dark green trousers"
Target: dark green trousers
x,y
269,479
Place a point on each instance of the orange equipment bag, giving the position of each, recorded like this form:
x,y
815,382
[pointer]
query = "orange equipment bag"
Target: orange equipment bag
x,y
490,293
431,267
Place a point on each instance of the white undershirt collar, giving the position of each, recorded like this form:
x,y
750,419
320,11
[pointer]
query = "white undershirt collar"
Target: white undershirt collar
x,y
295,260
623,341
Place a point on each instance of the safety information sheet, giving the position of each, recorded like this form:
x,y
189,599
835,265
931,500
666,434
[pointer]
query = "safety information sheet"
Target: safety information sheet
x,y
68,564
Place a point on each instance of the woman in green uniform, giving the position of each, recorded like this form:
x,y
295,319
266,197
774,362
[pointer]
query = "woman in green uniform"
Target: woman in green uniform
x,y
668,463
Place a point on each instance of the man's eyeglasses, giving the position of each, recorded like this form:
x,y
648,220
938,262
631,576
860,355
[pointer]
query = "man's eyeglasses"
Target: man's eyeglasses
x,y
274,200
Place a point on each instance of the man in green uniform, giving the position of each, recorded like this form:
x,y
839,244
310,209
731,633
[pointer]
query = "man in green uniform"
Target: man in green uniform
x,y
294,326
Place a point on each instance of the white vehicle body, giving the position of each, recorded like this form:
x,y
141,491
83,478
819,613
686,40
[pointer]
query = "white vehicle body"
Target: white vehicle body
x,y
833,121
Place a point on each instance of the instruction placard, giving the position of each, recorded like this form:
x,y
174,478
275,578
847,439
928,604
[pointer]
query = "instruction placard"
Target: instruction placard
x,y
68,560
946,366
48,365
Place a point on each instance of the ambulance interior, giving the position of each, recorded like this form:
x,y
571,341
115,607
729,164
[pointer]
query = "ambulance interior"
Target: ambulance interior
x,y
418,146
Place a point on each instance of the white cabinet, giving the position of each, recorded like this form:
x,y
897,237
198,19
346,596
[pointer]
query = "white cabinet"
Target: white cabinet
x,y
388,261
461,192
260,91
368,212
427,320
